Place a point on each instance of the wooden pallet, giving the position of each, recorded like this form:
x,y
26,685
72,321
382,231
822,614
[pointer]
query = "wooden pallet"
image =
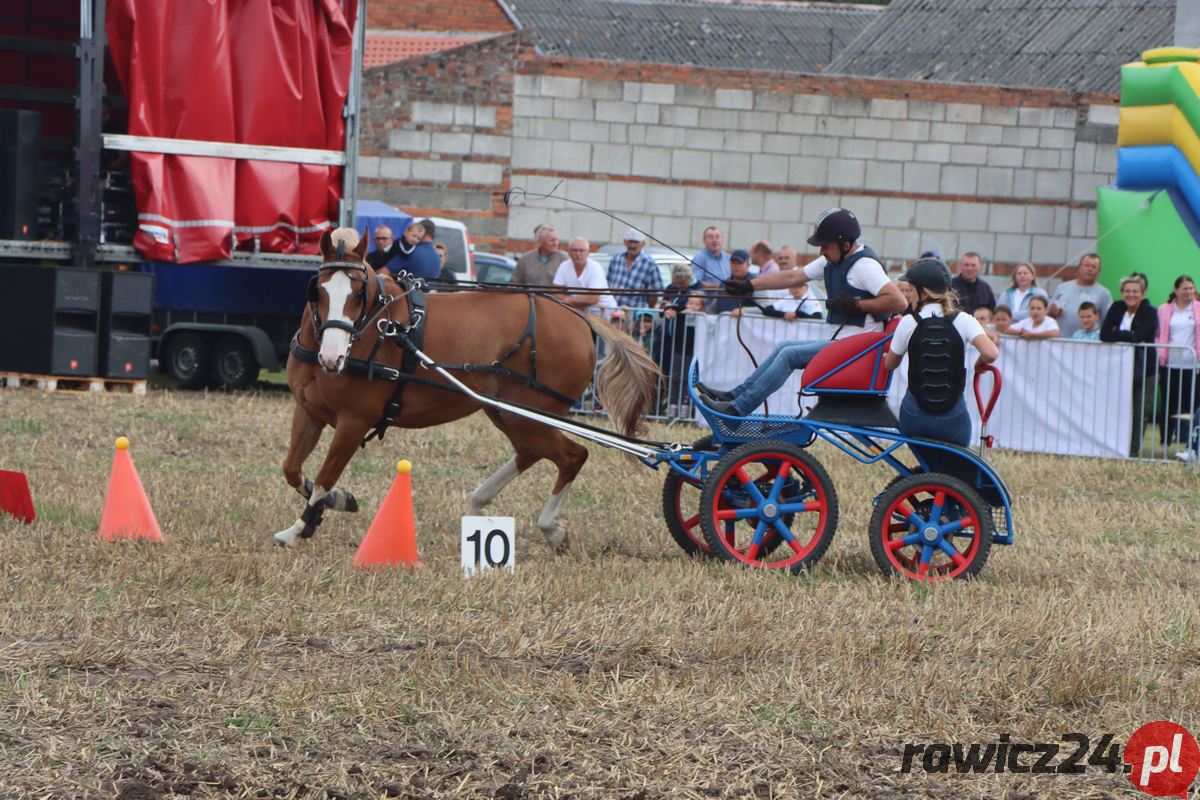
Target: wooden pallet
x,y
70,383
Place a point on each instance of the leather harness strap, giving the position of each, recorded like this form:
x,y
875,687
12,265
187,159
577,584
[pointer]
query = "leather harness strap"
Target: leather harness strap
x,y
410,338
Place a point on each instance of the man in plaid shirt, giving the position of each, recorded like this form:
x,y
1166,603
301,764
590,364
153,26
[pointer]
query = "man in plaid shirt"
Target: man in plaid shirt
x,y
633,269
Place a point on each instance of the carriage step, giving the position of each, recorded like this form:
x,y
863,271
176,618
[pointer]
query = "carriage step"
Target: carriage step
x,y
76,384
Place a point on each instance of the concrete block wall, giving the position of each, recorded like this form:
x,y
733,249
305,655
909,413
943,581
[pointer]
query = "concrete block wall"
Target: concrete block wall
x,y
1008,173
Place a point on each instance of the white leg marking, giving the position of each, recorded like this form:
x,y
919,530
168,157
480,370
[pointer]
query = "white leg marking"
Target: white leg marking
x,y
486,492
287,536
554,531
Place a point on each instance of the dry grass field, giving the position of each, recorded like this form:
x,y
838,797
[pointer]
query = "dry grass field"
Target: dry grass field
x,y
218,665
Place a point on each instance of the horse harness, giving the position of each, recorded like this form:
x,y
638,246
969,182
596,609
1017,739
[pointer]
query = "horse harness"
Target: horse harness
x,y
409,338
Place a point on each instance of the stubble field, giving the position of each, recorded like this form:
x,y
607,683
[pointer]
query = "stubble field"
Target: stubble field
x,y
218,665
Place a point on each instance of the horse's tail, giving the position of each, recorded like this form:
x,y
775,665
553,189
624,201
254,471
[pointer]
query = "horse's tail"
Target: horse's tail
x,y
627,378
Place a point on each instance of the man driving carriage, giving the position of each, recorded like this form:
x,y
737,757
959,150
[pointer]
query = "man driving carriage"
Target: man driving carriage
x,y
861,297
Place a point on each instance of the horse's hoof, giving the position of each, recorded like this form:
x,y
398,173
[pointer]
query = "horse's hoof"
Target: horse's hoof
x,y
557,540
287,538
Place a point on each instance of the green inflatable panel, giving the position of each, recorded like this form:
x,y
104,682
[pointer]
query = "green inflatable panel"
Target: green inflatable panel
x,y
1162,86
1150,239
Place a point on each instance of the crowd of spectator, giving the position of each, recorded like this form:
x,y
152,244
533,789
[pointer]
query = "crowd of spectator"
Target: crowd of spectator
x,y
631,294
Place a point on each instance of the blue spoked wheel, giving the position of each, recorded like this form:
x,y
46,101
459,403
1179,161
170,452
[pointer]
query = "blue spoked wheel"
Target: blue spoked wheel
x,y
681,509
931,527
769,505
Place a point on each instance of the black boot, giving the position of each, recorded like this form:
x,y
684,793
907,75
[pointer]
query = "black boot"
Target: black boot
x,y
715,394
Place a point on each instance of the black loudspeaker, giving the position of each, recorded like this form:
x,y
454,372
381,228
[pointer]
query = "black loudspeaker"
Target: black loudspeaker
x,y
126,302
20,150
48,320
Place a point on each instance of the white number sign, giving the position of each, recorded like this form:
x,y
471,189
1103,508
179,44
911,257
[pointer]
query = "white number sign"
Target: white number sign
x,y
487,543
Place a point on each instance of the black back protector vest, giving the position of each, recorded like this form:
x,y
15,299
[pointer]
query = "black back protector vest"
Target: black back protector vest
x,y
837,282
937,374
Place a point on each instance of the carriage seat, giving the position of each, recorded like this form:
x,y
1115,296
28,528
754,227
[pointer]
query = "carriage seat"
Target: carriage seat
x,y
850,381
851,365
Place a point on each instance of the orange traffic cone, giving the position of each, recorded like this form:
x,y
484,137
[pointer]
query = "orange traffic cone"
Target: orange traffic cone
x,y
392,538
127,512
15,497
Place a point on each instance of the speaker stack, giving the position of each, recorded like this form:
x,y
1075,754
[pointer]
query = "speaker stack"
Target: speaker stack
x,y
49,318
127,302
20,151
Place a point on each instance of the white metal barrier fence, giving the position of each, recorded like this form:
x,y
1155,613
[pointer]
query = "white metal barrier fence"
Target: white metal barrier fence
x,y
1060,396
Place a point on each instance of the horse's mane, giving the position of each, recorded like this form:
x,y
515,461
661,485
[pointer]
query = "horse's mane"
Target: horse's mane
x,y
347,236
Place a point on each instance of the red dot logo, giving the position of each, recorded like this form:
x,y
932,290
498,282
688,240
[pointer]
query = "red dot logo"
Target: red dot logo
x,y
1163,759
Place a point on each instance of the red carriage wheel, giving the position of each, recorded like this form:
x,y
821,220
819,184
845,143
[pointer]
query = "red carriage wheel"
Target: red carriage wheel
x,y
931,527
681,509
764,491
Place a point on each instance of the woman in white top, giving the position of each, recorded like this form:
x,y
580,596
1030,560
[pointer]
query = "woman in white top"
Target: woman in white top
x,y
933,407
1179,325
1024,286
1038,325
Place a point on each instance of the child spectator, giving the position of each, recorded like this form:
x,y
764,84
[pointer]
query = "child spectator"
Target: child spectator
x,y
800,304
679,345
1089,323
1002,319
1039,324
983,315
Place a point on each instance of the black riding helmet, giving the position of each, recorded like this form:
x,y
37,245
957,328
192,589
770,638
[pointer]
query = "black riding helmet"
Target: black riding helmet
x,y
835,225
930,274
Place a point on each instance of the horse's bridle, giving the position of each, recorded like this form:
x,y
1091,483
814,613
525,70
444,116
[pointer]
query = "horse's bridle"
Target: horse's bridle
x,y
365,316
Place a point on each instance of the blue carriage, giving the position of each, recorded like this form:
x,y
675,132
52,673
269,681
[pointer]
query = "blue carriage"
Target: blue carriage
x,y
765,501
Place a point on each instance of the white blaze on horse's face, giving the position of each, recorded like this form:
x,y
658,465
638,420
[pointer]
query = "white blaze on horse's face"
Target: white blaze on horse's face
x,y
335,342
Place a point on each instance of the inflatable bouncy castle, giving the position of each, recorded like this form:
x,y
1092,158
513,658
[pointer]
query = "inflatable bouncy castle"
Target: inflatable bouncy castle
x,y
1149,222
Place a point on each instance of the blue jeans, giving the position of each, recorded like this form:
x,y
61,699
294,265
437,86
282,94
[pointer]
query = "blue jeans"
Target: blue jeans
x,y
773,372
954,426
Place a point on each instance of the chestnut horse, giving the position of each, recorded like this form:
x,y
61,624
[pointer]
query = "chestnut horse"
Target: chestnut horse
x,y
347,309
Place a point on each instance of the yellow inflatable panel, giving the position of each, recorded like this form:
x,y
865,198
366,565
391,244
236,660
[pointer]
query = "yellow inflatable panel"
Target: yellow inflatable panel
x,y
1164,54
1147,125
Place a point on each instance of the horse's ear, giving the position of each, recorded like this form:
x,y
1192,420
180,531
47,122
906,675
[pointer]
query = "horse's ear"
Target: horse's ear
x,y
363,242
326,244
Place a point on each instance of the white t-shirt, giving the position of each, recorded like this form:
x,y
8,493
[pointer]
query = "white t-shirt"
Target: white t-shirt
x,y
592,277
1183,332
1127,322
1017,298
967,326
866,274
1048,324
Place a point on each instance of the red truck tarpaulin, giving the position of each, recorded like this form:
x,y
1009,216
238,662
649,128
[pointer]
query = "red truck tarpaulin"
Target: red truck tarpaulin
x,y
255,72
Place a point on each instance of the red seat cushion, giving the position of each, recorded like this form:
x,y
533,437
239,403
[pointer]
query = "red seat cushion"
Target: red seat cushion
x,y
847,364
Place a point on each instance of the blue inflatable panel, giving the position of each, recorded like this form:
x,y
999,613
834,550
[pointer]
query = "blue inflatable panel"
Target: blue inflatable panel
x,y
1158,167
1163,167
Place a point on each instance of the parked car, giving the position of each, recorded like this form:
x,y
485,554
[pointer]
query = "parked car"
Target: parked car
x,y
492,268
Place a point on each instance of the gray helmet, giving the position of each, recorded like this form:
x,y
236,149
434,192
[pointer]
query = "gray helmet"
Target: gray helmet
x,y
835,225
930,274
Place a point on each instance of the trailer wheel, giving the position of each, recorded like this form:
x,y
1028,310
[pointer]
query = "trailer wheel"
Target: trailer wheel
x,y
764,494
234,365
931,527
187,359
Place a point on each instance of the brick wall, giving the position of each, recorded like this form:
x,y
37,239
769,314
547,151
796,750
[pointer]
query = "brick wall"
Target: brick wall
x,y
438,15
1010,173
436,135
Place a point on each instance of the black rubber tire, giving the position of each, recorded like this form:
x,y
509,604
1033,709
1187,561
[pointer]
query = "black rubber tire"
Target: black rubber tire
x,y
808,481
233,363
919,491
187,359
675,488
